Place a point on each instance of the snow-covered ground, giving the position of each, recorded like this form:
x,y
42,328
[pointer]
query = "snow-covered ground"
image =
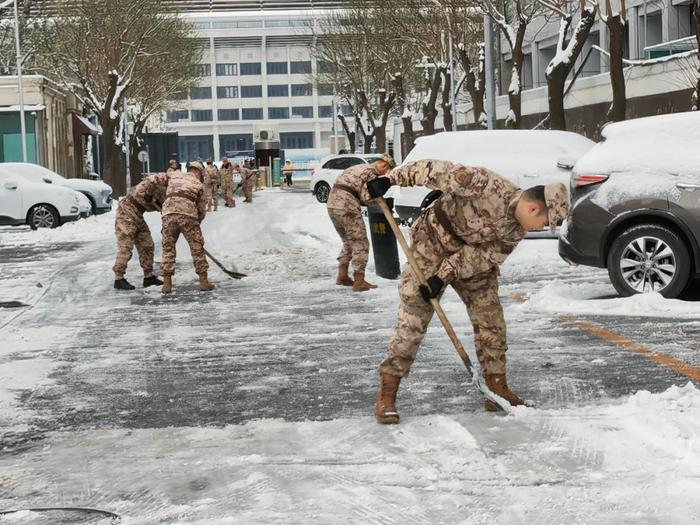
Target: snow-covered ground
x,y
253,404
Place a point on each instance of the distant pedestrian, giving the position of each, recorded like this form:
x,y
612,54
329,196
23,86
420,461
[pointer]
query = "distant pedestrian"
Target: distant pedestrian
x,y
226,174
173,166
212,183
288,171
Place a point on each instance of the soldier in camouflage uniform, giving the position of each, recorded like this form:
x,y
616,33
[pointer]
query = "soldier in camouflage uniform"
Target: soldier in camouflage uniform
x,y
461,240
184,209
212,182
131,229
248,179
344,208
173,166
226,174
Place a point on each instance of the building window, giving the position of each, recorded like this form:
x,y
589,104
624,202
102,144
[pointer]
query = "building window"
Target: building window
x,y
176,116
276,68
201,115
277,113
203,70
250,68
202,25
301,90
248,24
234,145
200,93
297,140
226,70
325,66
303,111
193,148
251,114
325,89
325,111
228,114
227,92
301,67
277,90
251,91
300,22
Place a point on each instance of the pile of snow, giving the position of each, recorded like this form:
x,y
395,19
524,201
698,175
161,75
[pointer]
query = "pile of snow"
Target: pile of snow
x,y
94,228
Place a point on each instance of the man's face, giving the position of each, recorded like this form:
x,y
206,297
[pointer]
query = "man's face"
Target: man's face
x,y
532,216
382,167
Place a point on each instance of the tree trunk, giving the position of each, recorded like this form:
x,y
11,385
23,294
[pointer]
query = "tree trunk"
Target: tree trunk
x,y
113,159
445,103
559,71
408,138
513,120
367,138
349,134
473,83
428,107
135,146
616,30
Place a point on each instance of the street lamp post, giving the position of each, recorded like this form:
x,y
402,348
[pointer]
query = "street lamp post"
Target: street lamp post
x,y
20,86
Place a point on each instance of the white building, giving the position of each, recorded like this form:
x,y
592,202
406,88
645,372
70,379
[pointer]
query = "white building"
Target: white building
x,y
257,73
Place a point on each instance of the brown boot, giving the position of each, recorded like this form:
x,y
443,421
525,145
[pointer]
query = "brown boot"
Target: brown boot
x,y
167,284
360,285
343,278
498,385
204,283
385,407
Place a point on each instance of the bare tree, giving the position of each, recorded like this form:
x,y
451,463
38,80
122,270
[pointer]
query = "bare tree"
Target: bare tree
x,y
616,23
566,54
512,17
474,81
96,47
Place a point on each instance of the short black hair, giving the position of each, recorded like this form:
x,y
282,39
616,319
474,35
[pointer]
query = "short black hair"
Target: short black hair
x,y
536,194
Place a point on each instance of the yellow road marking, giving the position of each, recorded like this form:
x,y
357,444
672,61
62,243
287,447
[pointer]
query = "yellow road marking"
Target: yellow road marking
x,y
664,360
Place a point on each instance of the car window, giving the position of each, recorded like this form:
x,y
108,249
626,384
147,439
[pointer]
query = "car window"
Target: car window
x,y
331,164
370,160
351,161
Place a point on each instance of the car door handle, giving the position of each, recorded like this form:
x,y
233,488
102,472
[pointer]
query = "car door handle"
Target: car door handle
x,y
10,186
529,174
688,186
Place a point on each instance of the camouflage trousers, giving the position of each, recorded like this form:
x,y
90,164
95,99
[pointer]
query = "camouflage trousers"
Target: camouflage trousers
x,y
227,187
248,189
212,198
174,225
131,230
352,231
479,294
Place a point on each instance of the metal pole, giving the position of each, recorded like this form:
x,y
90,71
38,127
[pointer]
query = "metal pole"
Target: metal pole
x,y
22,123
126,145
452,87
490,87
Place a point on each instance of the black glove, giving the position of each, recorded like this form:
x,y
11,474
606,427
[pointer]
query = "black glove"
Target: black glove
x,y
436,285
378,186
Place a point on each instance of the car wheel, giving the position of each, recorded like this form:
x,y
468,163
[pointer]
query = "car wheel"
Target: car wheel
x,y
43,216
322,190
649,258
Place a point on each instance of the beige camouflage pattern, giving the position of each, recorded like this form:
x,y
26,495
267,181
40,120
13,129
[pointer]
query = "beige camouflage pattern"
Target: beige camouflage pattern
x,y
466,253
355,178
212,181
226,175
351,228
248,179
557,199
344,209
130,227
185,196
184,208
173,226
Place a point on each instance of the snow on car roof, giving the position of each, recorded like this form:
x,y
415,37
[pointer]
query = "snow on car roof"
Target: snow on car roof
x,y
683,126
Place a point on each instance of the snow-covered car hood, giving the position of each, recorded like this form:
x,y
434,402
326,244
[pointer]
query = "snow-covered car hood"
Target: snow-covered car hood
x,y
92,186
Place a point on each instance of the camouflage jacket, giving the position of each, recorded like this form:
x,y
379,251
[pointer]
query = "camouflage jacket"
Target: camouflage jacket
x,y
350,190
248,176
185,196
213,173
471,228
226,172
149,194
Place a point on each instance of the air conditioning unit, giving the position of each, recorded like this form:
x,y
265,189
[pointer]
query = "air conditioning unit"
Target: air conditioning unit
x,y
266,133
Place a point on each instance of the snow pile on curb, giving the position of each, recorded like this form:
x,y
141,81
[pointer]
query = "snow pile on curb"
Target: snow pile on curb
x,y
93,228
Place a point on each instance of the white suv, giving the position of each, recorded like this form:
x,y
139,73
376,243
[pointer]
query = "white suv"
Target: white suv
x,y
323,178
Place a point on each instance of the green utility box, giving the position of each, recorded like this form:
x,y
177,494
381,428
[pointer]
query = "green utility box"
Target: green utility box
x,y
276,173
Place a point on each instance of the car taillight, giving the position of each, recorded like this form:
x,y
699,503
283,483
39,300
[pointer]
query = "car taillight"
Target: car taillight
x,y
587,179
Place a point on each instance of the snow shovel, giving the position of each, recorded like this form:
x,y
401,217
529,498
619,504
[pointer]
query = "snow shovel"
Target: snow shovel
x,y
230,273
476,378
235,275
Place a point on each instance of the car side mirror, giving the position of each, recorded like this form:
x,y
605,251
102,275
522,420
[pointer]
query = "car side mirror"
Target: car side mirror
x,y
48,181
10,185
565,163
